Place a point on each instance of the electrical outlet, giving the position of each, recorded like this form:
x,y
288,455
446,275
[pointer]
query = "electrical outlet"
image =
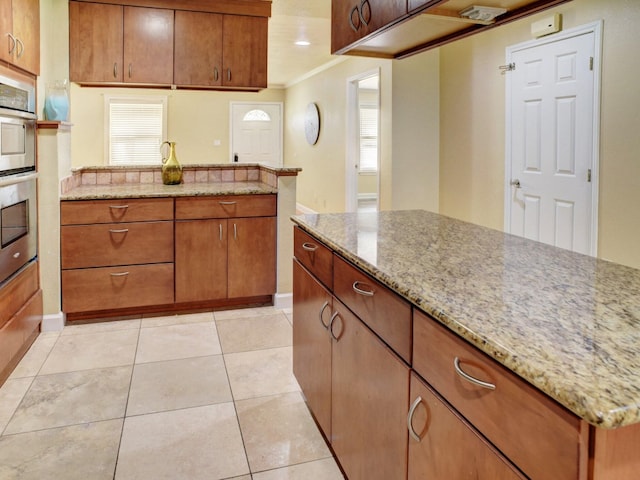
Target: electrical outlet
x,y
216,143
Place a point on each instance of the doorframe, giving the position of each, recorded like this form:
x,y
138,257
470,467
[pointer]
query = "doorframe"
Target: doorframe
x,y
280,139
596,29
351,154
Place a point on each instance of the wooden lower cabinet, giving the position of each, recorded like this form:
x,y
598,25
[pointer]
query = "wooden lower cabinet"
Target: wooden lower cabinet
x,y
369,399
312,344
444,446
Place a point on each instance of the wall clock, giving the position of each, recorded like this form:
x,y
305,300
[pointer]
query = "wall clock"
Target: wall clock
x,y
312,123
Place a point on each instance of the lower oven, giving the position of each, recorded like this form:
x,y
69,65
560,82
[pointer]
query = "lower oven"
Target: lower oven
x,y
18,223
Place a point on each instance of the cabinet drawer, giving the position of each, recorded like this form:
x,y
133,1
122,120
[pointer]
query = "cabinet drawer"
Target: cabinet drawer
x,y
317,258
116,244
382,310
115,210
542,438
232,206
108,288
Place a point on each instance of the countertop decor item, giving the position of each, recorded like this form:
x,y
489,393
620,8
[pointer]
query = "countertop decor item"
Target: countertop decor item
x,y
56,103
171,168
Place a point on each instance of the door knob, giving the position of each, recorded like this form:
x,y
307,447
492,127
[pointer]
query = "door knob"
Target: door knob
x,y
515,183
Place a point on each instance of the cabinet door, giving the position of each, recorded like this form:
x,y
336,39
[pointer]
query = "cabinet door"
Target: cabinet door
x,y
312,308
95,42
201,260
7,46
244,51
370,398
198,49
26,29
448,447
252,257
148,45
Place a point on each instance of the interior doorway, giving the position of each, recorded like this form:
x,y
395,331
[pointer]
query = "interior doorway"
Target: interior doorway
x,y
256,133
363,137
552,133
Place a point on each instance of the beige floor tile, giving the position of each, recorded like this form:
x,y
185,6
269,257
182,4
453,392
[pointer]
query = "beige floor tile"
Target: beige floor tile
x,y
78,452
93,350
99,327
244,312
195,443
178,341
35,357
177,319
278,431
325,469
175,384
11,394
254,333
261,372
72,398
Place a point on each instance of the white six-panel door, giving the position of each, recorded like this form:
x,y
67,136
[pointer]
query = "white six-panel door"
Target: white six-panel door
x,y
550,152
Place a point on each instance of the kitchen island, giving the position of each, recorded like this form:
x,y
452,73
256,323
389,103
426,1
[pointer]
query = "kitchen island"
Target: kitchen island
x,y
565,323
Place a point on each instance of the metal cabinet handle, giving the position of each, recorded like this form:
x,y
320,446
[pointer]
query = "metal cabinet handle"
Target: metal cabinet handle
x,y
353,25
235,231
220,232
330,327
13,43
412,410
362,4
215,74
227,203
124,230
115,69
119,206
21,47
123,274
228,74
130,70
365,293
469,378
309,247
324,306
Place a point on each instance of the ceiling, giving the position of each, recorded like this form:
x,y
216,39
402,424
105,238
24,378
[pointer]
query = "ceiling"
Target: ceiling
x,y
293,20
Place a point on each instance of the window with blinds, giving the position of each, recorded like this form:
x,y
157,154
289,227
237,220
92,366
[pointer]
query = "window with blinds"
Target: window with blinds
x,y
136,128
368,138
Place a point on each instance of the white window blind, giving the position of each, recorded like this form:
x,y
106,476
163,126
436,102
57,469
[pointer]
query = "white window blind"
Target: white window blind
x,y
368,138
136,129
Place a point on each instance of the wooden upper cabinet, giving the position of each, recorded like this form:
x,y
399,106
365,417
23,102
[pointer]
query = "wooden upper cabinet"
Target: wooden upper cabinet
x,y
20,33
352,20
148,45
244,51
198,49
95,42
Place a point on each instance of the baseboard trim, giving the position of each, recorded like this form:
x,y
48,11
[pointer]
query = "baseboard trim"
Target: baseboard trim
x,y
53,322
283,300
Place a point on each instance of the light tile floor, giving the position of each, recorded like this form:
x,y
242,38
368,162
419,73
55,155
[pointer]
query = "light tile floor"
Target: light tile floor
x,y
197,396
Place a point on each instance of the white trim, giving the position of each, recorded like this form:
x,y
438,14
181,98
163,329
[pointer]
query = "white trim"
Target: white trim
x,y
596,29
53,322
305,210
257,104
352,147
283,300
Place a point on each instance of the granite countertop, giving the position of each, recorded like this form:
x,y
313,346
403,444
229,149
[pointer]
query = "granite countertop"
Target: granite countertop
x,y
153,190
567,323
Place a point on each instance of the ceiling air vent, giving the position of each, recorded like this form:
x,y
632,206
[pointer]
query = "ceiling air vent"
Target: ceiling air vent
x,y
485,14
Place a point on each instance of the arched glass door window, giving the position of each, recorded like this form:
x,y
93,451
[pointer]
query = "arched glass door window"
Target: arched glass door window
x,y
256,116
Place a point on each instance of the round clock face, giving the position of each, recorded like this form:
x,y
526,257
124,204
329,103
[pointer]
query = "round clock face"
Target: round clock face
x,y
312,123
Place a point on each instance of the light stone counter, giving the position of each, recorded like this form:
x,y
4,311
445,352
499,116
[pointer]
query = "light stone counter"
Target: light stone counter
x,y
567,323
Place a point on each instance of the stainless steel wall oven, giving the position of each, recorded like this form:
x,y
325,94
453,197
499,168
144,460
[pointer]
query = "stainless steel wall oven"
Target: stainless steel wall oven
x,y
18,196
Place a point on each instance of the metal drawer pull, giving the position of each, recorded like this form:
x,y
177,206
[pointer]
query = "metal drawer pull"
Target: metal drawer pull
x,y
21,49
330,327
119,206
412,410
235,231
124,230
353,25
115,70
227,203
123,274
469,378
215,74
220,232
326,304
362,4
13,46
366,293
309,247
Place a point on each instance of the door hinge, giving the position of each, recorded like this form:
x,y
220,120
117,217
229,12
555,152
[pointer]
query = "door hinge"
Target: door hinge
x,y
591,63
510,67
589,175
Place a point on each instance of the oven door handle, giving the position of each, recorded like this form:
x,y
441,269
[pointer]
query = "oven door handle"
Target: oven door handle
x,y
15,179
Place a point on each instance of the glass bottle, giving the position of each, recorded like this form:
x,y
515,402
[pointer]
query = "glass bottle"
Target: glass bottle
x,y
171,168
56,103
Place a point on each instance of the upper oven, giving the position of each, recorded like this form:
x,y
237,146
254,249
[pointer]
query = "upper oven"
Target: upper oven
x,y
17,124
